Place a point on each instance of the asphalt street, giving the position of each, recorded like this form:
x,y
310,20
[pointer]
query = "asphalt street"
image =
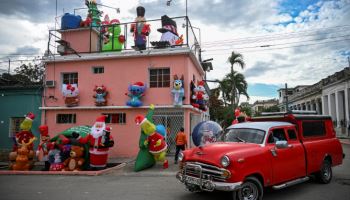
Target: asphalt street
x,y
156,186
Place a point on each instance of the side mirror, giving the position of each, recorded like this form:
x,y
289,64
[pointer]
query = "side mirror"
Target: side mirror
x,y
282,144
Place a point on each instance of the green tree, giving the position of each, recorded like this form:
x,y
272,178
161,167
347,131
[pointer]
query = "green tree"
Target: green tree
x,y
235,59
232,87
34,73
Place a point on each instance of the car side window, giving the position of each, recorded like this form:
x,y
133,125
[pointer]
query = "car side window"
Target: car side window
x,y
277,135
291,134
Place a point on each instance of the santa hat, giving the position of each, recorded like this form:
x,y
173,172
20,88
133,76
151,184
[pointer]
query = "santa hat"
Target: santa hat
x,y
201,83
114,21
108,129
168,25
44,130
139,84
30,116
101,118
139,119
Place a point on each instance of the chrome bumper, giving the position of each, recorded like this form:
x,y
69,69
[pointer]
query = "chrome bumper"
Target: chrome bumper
x,y
207,185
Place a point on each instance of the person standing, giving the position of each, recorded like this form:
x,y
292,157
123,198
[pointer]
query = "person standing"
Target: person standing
x,y
181,143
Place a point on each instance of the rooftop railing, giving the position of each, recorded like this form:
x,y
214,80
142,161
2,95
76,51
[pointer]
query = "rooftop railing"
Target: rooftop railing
x,y
94,39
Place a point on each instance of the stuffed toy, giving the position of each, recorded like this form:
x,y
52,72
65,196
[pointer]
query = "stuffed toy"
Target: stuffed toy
x,y
178,91
71,94
44,146
100,96
75,162
114,40
155,141
22,159
140,29
99,141
136,91
200,96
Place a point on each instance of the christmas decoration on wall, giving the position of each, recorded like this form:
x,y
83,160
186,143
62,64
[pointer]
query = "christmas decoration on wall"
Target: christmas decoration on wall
x,y
140,29
155,141
136,92
112,39
71,94
144,159
200,96
178,90
101,95
99,141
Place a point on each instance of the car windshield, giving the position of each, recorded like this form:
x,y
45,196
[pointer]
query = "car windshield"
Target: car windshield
x,y
244,135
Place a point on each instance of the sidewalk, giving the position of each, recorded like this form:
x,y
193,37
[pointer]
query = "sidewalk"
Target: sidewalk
x,y
344,141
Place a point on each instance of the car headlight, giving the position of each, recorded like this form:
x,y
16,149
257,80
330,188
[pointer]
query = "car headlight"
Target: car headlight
x,y
225,161
181,156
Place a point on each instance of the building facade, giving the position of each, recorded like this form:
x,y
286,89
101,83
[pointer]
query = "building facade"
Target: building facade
x,y
15,103
116,70
260,106
329,96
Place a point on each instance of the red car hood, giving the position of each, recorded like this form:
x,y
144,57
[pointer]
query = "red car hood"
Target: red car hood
x,y
212,153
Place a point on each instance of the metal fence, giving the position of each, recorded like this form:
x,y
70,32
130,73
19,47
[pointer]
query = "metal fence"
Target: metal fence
x,y
172,120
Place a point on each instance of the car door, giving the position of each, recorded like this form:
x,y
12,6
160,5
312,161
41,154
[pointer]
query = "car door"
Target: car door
x,y
288,162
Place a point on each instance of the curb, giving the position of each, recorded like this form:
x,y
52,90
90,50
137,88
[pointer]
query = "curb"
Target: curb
x,y
345,142
68,173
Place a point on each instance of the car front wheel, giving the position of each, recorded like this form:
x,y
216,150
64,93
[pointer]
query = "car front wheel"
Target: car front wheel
x,y
251,189
325,174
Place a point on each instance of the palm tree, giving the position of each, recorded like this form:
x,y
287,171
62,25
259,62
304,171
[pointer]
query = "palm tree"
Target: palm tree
x,y
235,58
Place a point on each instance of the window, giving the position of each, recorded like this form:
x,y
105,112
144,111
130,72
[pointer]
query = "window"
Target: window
x,y
159,77
98,70
277,135
66,118
291,134
115,118
70,78
15,122
313,128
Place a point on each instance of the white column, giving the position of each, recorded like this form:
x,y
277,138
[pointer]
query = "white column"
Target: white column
x,y
347,101
330,106
325,105
318,107
337,108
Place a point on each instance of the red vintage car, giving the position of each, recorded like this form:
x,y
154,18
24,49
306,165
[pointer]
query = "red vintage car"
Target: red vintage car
x,y
275,152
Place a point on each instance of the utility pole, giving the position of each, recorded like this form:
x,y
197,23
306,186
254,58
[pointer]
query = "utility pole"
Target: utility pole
x,y
348,61
286,96
9,66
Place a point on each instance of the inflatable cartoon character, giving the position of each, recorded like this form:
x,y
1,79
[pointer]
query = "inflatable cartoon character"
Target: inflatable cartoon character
x,y
22,159
200,96
155,141
99,141
169,31
136,92
71,94
55,159
178,91
115,40
100,96
44,146
140,29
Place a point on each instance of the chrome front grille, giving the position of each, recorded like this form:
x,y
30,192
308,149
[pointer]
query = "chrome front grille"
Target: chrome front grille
x,y
204,171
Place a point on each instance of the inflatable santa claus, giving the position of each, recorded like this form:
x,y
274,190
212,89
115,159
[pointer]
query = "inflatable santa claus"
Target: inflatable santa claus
x,y
99,141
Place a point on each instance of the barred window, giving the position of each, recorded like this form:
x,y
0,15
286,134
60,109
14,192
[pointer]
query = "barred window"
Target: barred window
x,y
159,77
115,118
98,70
70,78
15,123
66,118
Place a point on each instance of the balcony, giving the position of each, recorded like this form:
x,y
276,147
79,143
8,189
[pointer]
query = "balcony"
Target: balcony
x,y
107,39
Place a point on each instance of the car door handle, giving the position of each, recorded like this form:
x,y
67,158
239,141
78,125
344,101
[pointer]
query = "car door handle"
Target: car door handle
x,y
273,152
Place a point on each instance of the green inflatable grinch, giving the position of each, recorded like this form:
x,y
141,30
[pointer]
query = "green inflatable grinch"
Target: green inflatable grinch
x,y
114,40
144,159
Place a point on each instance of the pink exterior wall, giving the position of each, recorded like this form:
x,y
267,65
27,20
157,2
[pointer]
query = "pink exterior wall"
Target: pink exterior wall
x,y
79,39
118,73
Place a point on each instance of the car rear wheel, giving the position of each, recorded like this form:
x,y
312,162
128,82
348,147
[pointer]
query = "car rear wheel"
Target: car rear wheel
x,y
251,189
325,174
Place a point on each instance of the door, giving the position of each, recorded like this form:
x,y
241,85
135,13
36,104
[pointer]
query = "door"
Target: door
x,y
288,163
